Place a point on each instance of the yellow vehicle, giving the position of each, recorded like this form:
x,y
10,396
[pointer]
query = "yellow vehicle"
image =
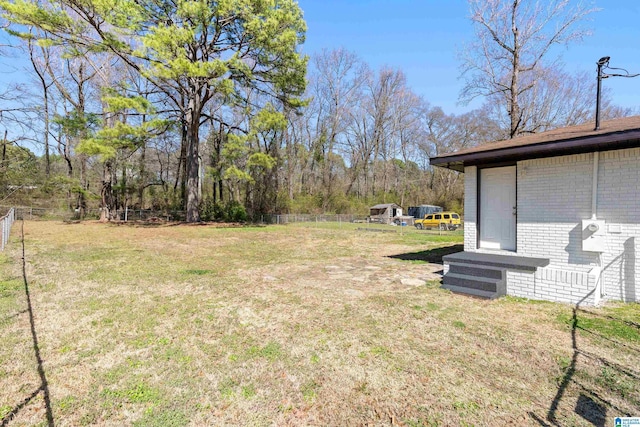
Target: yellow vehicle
x,y
441,220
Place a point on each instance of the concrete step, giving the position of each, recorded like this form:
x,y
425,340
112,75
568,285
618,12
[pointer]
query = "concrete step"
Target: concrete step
x,y
511,262
475,270
487,284
470,291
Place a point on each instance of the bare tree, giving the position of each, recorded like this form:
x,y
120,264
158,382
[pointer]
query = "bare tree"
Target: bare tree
x,y
336,89
71,78
557,99
384,92
513,42
448,133
40,70
409,132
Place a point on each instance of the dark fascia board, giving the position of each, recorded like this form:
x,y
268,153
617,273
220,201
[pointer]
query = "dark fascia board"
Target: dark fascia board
x,y
613,141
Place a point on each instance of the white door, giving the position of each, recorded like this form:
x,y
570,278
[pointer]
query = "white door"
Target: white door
x,y
498,208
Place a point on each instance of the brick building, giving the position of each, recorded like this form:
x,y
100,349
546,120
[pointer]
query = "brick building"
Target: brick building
x,y
552,216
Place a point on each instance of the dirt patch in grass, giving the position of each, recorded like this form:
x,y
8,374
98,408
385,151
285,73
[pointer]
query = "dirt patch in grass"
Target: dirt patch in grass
x,y
291,325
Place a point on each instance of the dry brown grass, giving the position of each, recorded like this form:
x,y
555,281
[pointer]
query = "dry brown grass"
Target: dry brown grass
x,y
290,325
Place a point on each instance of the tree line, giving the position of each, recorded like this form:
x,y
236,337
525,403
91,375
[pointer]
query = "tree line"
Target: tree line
x,y
210,108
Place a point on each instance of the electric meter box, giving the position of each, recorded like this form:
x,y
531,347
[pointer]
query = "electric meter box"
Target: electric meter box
x,y
594,235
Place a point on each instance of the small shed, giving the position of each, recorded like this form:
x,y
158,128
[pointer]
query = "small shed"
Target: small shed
x,y
385,213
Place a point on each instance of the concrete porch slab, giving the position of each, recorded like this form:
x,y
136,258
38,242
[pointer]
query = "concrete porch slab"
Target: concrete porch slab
x,y
512,262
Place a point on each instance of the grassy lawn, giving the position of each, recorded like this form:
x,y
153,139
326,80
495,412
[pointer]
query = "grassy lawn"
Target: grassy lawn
x,y
305,324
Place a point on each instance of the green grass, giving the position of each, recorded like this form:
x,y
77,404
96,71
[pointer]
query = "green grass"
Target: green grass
x,y
310,391
154,417
10,287
459,324
621,384
136,393
11,290
303,324
608,324
271,352
227,388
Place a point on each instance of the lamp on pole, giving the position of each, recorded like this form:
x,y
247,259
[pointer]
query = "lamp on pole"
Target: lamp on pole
x,y
603,64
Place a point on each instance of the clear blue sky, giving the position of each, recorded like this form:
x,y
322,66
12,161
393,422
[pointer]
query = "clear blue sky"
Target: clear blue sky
x,y
422,37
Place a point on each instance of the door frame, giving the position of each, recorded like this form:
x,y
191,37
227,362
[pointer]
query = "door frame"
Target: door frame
x,y
478,198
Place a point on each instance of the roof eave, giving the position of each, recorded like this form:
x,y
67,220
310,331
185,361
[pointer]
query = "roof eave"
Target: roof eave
x,y
614,141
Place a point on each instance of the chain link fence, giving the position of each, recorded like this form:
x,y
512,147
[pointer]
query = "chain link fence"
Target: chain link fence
x,y
297,218
6,222
37,213
362,221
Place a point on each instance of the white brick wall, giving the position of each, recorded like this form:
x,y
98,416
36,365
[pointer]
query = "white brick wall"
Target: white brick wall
x,y
554,284
619,206
554,196
470,197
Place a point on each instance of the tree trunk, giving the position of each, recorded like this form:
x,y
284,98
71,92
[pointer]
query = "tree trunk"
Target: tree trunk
x,y
47,160
106,193
120,203
192,160
514,110
142,183
4,149
67,158
181,172
84,182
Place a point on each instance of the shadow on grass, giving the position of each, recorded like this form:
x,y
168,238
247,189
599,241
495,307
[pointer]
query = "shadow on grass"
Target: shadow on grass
x,y
44,385
591,405
431,256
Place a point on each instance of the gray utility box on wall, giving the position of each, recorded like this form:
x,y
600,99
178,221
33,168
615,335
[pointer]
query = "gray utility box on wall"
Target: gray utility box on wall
x,y
594,236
